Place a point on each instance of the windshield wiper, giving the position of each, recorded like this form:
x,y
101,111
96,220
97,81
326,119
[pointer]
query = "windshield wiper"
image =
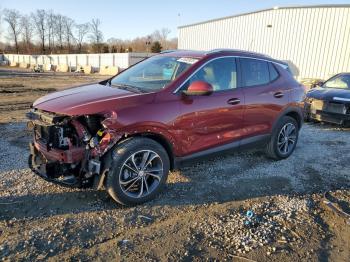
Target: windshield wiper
x,y
129,88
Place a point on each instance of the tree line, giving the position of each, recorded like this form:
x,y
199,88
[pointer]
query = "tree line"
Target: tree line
x,y
46,32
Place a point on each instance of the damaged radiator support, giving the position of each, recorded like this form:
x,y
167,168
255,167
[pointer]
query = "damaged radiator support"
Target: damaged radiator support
x,y
65,151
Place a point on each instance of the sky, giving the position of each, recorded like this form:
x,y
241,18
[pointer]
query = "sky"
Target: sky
x,y
127,19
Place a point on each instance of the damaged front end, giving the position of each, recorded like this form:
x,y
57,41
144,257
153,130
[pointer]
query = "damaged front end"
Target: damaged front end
x,y
71,150
336,111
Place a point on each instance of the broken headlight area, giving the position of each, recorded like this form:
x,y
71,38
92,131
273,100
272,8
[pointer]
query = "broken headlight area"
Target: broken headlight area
x,y
328,111
69,150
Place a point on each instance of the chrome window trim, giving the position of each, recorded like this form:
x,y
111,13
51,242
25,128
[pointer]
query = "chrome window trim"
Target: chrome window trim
x,y
222,57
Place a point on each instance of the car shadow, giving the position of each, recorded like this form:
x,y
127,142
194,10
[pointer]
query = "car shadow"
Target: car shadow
x,y
38,206
178,194
234,177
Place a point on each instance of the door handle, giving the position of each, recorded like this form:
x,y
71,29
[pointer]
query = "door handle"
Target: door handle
x,y
233,101
278,95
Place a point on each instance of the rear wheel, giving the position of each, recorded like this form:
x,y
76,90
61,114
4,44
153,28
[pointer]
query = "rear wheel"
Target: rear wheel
x,y
284,139
139,171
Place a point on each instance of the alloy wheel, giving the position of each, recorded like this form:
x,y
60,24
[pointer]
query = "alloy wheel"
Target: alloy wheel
x,y
287,138
141,173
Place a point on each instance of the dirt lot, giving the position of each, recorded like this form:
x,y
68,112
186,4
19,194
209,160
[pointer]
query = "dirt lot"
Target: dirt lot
x,y
200,216
19,88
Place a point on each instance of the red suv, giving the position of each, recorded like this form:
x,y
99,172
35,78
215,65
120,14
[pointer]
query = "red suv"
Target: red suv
x,y
127,132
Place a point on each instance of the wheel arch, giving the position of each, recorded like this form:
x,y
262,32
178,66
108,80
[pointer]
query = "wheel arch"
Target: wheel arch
x,y
296,116
294,112
160,139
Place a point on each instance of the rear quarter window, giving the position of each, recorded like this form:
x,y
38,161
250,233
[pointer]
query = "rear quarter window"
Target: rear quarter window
x,y
273,72
254,72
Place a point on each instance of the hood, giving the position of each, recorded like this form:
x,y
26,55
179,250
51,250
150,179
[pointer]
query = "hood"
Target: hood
x,y
328,94
88,99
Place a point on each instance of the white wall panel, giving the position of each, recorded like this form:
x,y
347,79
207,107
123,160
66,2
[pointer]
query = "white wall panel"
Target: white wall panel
x,y
121,60
314,40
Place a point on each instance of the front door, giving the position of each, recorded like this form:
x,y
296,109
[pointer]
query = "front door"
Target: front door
x,y
216,119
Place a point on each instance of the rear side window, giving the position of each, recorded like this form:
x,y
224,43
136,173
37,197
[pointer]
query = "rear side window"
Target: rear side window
x,y
273,72
254,72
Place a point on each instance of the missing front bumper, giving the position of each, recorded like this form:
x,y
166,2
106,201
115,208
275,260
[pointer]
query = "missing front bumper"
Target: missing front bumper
x,y
46,170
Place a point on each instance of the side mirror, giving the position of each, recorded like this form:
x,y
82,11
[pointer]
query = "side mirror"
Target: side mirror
x,y
199,88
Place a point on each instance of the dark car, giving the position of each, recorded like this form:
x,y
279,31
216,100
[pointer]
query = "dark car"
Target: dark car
x,y
127,132
330,101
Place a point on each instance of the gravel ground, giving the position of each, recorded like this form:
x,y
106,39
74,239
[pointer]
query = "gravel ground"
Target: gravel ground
x,y
200,216
14,148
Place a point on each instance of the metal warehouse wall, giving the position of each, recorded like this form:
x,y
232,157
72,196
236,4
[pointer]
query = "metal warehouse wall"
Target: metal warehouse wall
x,y
314,40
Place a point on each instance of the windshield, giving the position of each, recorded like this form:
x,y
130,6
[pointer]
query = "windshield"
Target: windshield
x,y
153,74
340,81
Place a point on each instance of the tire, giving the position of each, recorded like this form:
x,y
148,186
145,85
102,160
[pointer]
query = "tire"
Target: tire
x,y
276,147
138,172
307,117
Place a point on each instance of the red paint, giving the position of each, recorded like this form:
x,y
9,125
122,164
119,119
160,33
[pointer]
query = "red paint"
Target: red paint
x,y
189,123
72,155
262,108
207,121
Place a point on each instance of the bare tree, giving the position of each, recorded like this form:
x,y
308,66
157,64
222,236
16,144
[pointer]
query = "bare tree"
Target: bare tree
x,y
164,33
172,43
162,36
156,36
13,17
68,31
0,21
56,32
50,24
81,32
96,36
59,30
39,19
27,31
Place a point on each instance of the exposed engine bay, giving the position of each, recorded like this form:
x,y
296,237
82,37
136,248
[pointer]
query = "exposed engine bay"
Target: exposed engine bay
x,y
71,151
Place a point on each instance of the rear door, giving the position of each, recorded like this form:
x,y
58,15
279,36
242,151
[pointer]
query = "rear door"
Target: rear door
x,y
209,121
266,95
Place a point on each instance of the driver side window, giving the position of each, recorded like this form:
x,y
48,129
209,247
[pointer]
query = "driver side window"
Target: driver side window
x,y
221,73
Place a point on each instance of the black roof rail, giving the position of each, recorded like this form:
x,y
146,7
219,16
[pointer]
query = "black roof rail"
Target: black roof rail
x,y
170,51
176,50
219,50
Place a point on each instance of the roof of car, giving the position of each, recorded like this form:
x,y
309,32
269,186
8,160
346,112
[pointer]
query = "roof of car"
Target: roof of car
x,y
217,52
184,53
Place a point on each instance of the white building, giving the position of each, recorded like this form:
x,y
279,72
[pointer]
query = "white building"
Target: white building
x,y
314,40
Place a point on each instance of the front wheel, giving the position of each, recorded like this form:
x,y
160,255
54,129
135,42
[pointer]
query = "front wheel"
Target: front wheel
x,y
139,171
284,139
